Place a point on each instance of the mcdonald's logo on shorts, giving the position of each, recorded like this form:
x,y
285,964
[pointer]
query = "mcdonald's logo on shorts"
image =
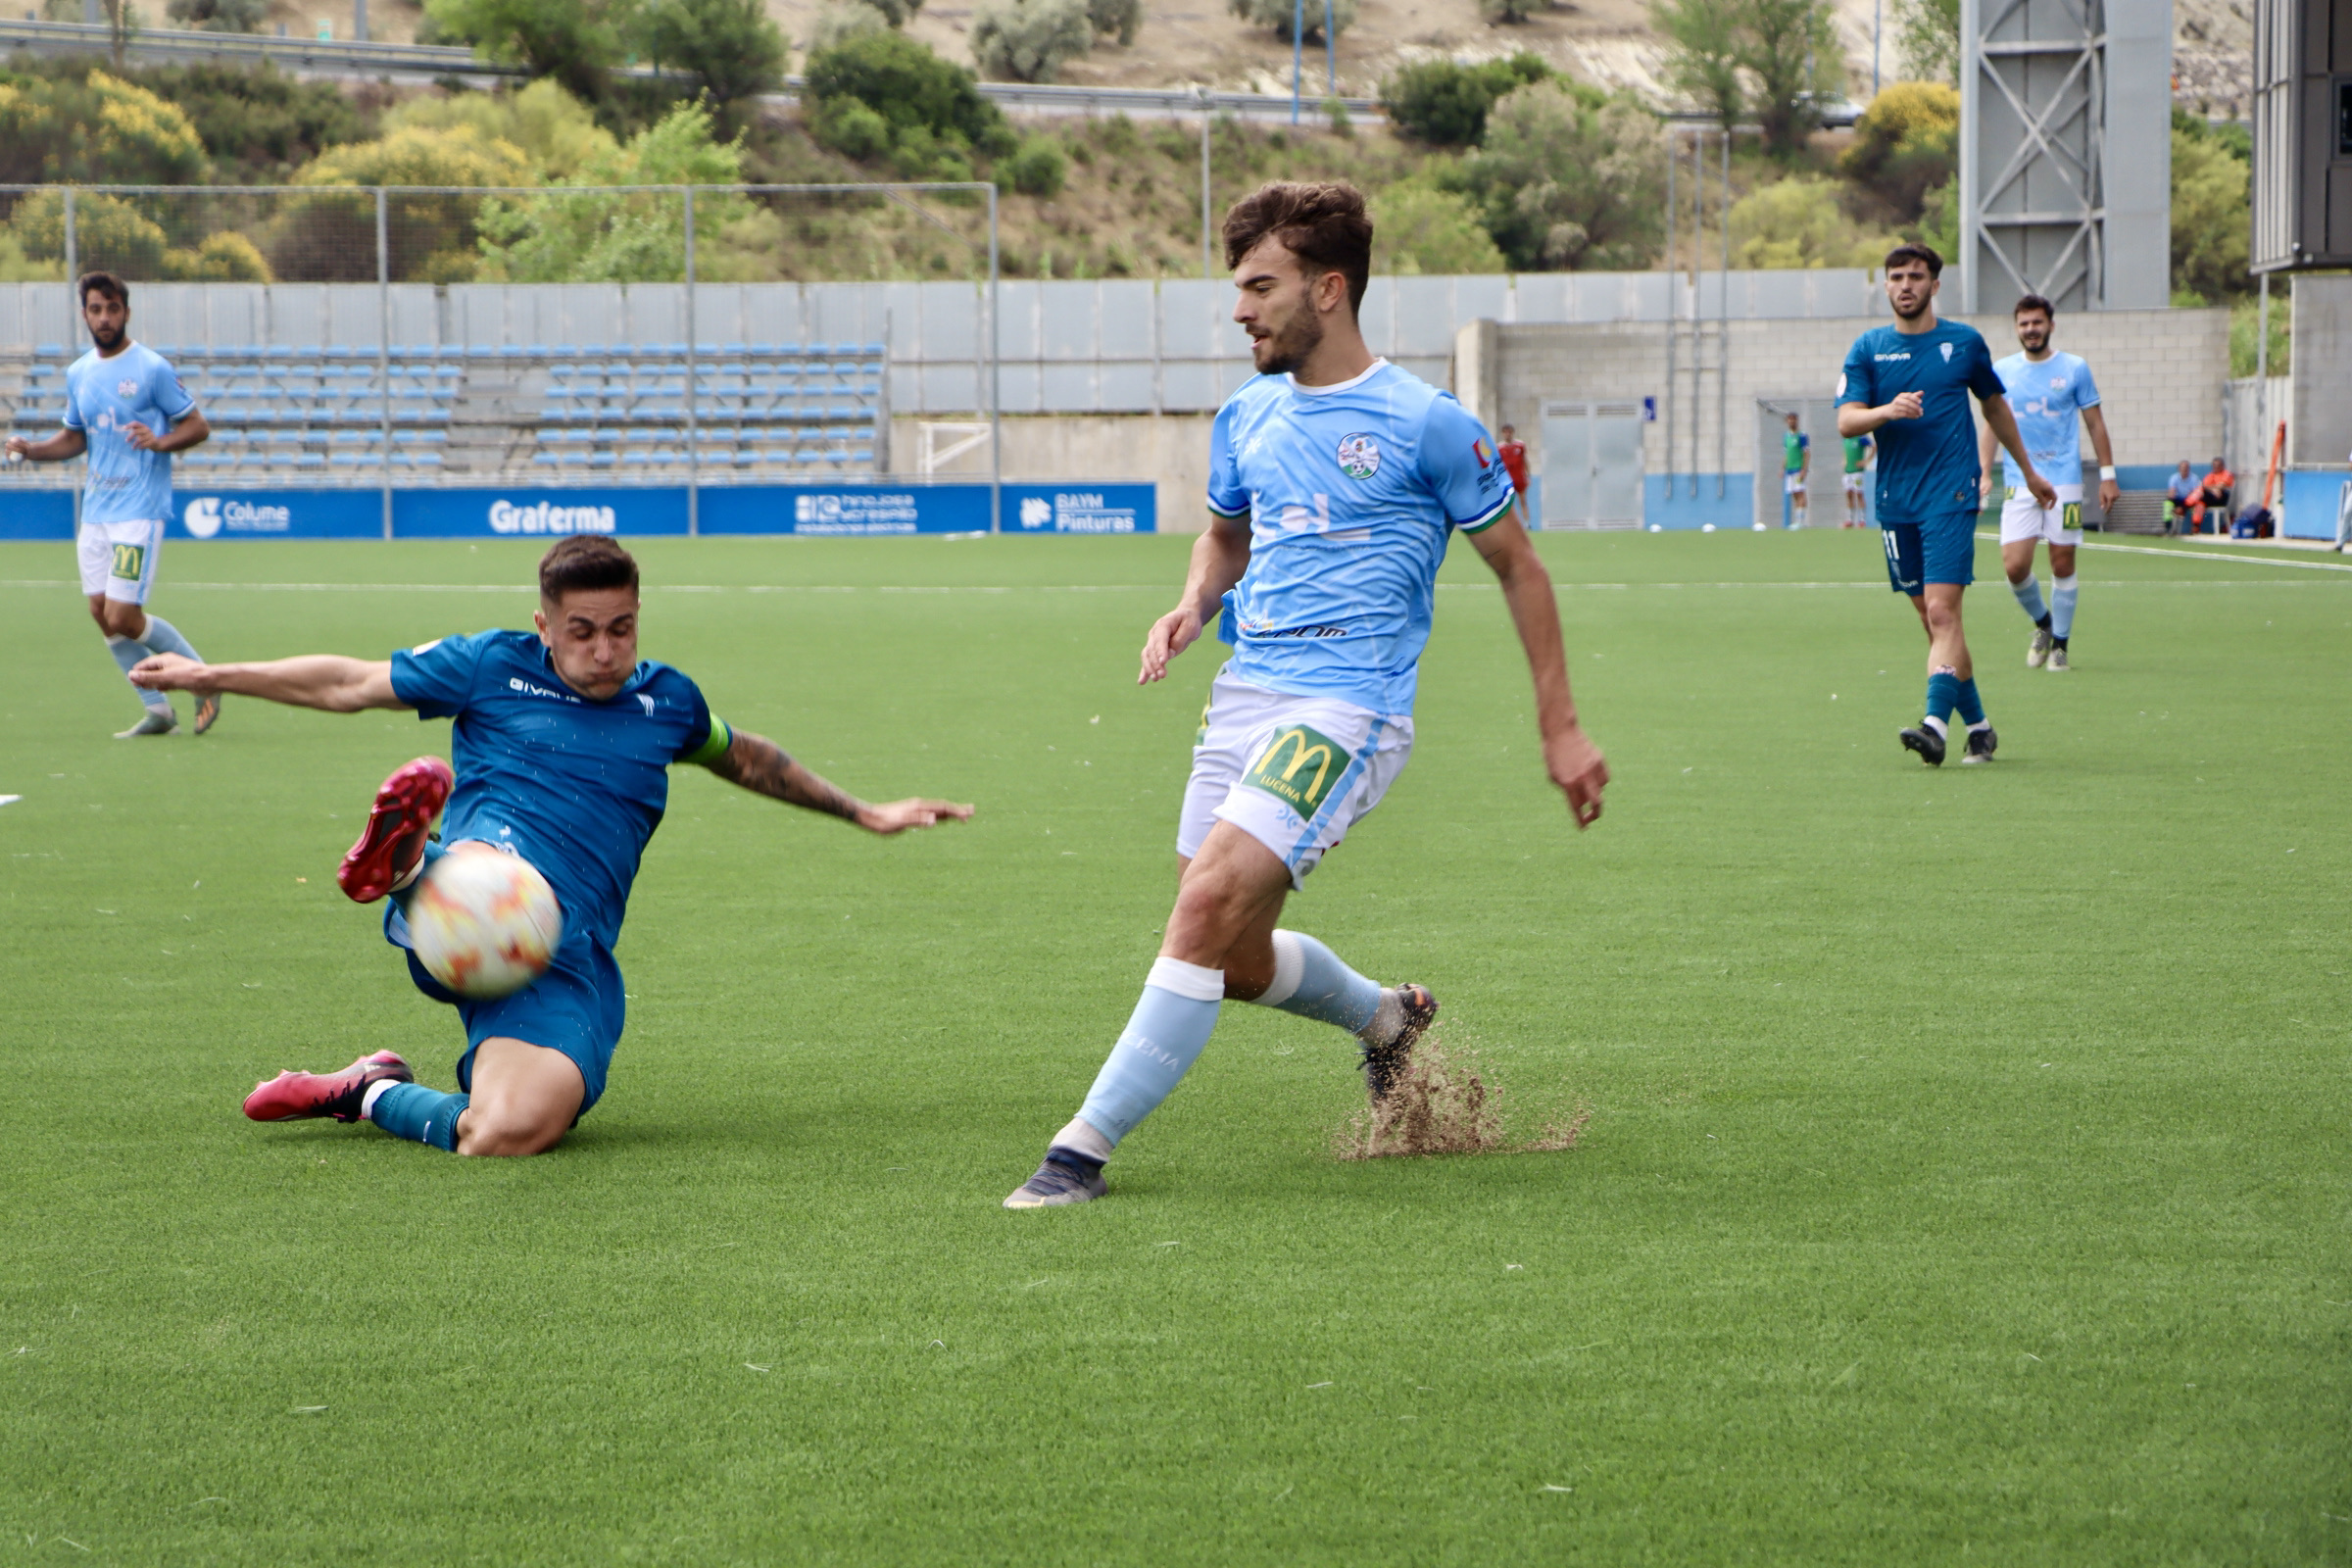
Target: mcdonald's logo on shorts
x,y
2070,515
1298,767
130,562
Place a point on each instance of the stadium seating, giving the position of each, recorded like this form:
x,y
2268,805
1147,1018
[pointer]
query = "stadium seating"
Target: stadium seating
x,y
558,412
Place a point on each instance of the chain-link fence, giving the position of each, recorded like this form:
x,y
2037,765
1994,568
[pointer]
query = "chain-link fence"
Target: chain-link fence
x,y
666,382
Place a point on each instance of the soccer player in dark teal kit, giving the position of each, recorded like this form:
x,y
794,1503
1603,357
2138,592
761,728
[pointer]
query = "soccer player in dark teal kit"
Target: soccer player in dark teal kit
x,y
564,740
1907,387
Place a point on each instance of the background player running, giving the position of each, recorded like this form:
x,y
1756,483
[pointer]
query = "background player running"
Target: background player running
x,y
563,743
2052,396
117,397
1907,385
1335,480
1797,464
1858,450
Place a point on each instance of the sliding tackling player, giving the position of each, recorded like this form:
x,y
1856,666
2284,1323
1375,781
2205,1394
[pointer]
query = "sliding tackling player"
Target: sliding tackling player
x,y
1335,482
563,740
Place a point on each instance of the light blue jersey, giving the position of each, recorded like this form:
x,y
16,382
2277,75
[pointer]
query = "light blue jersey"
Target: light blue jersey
x,y
2048,400
1352,491
103,396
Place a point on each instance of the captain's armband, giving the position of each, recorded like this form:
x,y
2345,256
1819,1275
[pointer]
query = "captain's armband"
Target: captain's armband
x,y
714,745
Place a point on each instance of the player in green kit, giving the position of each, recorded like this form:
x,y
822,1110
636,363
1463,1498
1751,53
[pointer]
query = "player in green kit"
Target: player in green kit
x,y
1858,449
1796,461
1908,386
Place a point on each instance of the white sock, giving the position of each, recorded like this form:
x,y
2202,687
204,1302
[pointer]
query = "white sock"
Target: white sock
x,y
1934,723
375,1092
1081,1136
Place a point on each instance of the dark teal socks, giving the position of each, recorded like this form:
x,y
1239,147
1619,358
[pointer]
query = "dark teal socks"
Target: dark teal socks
x,y
1943,694
1972,708
419,1115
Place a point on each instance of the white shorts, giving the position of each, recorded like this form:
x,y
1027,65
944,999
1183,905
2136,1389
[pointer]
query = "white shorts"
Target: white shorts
x,y
117,558
1853,486
1793,483
2023,519
1293,772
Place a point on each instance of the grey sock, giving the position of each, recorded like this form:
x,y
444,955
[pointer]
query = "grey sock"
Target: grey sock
x,y
128,651
164,638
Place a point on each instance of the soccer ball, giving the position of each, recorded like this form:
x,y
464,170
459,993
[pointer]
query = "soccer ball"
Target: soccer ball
x,y
484,923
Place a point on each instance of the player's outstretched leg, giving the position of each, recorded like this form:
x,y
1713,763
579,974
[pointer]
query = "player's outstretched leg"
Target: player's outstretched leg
x,y
391,847
344,1096
1312,981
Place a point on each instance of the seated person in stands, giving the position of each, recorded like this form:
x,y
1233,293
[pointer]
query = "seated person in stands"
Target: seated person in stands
x,y
2178,493
2214,496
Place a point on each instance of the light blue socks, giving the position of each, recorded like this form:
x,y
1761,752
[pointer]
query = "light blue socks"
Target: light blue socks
x,y
127,653
2029,599
1164,1037
419,1115
2062,607
164,638
1310,981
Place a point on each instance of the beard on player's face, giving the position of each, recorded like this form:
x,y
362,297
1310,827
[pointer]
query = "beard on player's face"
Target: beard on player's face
x,y
1916,306
107,335
2034,335
1288,344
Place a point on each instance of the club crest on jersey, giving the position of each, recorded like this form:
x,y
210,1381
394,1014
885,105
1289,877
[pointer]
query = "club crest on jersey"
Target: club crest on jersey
x,y
1359,456
1948,352
127,389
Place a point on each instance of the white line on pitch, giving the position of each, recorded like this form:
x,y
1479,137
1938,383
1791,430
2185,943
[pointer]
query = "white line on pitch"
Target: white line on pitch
x,y
2199,555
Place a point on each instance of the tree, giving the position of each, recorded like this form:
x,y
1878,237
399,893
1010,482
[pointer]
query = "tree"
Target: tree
x,y
575,41
2209,212
1124,18
901,80
92,128
729,46
331,236
1028,41
1570,178
1418,228
1444,104
1906,143
220,16
258,124
555,130
1928,38
1280,13
1778,60
838,23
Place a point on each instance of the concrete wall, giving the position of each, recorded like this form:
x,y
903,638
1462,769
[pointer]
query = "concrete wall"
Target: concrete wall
x,y
2160,375
2319,425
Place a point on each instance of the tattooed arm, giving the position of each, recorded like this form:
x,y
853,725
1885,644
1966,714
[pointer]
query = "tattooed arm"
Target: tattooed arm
x,y
762,766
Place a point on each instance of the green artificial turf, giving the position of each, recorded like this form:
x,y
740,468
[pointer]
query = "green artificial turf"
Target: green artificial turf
x,y
1966,1178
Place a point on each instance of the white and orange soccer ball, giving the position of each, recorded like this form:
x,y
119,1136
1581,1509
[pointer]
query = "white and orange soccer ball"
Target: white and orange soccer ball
x,y
484,923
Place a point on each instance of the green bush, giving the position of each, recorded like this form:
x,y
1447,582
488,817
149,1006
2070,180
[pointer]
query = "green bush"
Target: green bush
x,y
1036,170
1417,228
109,232
838,23
578,43
1444,104
1125,18
1906,143
220,16
1280,13
1570,178
729,46
93,128
1800,223
257,124
553,129
850,128
224,257
901,80
1028,41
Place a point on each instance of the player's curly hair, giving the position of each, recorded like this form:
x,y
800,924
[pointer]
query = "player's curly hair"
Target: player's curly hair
x,y
106,285
1324,225
2032,301
588,560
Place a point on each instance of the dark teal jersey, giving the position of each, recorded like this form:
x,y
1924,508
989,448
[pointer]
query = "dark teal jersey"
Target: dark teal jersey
x,y
1928,466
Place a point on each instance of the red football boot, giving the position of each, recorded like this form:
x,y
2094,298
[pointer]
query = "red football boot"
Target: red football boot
x,y
293,1095
397,829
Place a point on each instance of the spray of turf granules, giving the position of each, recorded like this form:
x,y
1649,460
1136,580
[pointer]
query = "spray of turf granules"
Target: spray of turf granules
x,y
1444,1105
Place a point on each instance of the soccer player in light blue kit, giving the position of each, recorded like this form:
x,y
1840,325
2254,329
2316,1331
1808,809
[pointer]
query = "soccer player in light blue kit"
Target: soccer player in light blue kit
x,y
2053,397
126,407
1336,480
563,741
1907,386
